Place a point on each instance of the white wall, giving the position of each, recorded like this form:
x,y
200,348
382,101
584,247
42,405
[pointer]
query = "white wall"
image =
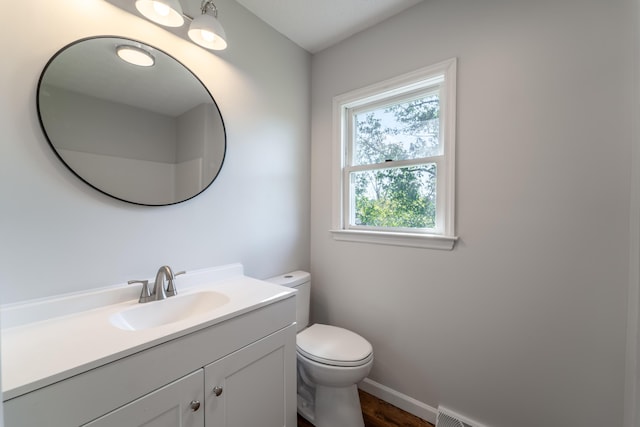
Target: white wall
x,y
59,235
523,323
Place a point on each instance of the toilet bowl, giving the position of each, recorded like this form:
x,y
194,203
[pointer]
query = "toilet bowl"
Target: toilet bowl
x,y
330,362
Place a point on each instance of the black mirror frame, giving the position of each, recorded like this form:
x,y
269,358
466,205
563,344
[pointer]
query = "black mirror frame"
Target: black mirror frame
x,y
44,131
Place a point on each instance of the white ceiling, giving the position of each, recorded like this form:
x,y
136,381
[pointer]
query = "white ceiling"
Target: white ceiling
x,y
317,24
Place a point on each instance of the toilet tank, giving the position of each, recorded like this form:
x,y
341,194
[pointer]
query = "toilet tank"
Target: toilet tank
x,y
301,282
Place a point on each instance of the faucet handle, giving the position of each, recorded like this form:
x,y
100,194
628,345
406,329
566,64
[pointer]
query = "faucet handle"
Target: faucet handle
x,y
145,294
171,286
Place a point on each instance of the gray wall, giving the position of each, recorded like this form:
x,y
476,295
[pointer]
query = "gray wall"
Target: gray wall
x,y
523,323
103,142
59,235
105,127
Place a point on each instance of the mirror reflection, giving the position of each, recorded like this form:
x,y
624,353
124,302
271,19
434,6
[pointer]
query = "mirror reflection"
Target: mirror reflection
x,y
149,134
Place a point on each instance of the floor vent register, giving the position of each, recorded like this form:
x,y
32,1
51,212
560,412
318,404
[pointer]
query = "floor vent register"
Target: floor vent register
x,y
448,418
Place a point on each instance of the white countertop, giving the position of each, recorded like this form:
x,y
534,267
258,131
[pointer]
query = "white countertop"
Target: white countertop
x,y
49,340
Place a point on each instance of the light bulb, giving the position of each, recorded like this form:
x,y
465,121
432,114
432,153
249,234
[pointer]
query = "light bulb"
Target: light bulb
x,y
163,12
161,9
207,31
207,35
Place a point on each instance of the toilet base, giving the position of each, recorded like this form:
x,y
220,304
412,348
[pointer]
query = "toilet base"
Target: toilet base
x,y
306,408
337,407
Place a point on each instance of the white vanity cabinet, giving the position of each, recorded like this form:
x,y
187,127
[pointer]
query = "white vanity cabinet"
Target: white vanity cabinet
x,y
246,388
249,359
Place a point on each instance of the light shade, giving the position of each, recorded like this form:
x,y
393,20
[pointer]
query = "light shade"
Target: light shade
x,y
135,55
163,12
207,31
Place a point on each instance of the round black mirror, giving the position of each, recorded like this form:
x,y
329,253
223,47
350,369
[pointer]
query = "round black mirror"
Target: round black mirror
x,y
149,134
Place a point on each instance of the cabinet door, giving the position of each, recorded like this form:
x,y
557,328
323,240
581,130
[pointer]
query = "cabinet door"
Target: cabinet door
x,y
255,386
173,405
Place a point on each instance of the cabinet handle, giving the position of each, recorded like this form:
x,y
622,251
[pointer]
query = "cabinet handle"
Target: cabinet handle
x,y
217,391
194,405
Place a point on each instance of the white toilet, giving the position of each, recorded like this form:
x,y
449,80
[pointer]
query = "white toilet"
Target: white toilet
x,y
331,361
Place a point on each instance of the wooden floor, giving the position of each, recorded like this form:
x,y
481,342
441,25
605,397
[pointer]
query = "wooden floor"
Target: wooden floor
x,y
378,413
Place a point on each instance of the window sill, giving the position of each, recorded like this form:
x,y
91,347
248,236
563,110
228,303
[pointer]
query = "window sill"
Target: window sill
x,y
426,241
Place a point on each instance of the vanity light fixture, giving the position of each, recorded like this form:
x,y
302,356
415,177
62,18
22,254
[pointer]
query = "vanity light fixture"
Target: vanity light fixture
x,y
205,30
135,55
163,12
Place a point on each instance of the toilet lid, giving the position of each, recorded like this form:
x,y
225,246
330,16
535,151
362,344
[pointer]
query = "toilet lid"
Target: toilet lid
x,y
332,345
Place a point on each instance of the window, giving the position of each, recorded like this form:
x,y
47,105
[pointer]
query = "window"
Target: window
x,y
394,160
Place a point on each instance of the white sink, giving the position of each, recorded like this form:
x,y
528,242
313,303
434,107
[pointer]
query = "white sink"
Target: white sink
x,y
170,310
86,330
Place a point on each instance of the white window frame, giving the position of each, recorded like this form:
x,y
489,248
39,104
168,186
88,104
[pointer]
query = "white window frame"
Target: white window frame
x,y
441,75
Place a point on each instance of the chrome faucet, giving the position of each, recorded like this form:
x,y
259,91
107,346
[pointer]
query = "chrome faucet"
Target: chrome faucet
x,y
159,292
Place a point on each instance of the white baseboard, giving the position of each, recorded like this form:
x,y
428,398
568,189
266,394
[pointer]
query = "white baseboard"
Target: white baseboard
x,y
402,401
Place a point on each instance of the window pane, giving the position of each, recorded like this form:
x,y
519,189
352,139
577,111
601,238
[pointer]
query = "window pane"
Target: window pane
x,y
409,130
394,197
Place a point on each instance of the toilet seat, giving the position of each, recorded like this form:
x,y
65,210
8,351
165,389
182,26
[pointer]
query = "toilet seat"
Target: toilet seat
x,y
331,345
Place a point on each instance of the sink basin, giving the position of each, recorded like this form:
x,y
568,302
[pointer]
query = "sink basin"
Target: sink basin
x,y
170,310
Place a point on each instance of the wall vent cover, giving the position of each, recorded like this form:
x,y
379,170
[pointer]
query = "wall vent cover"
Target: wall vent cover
x,y
447,418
